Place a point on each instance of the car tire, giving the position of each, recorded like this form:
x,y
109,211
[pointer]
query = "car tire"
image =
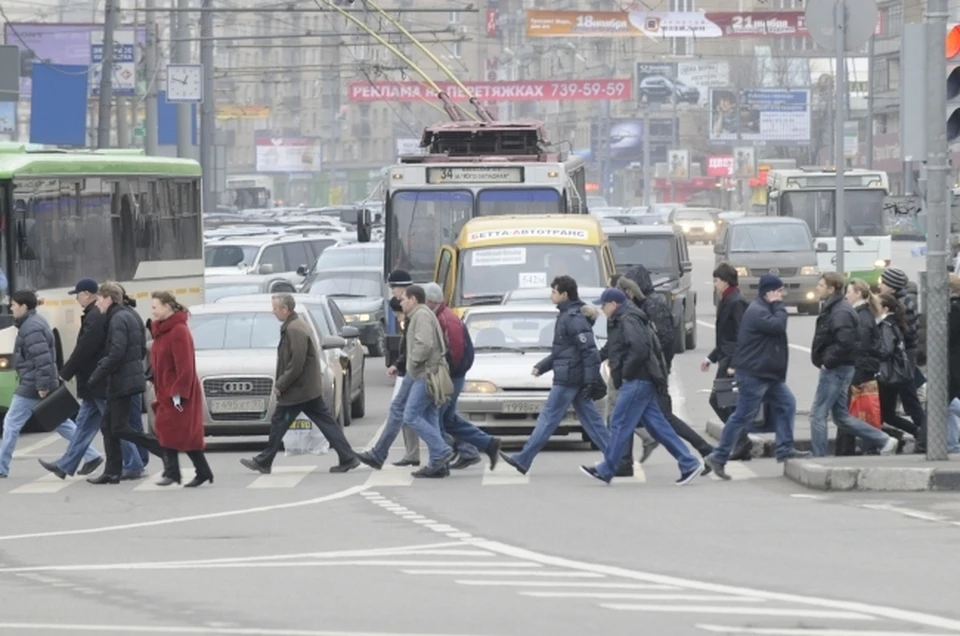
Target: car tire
x,y
358,408
692,336
379,346
345,418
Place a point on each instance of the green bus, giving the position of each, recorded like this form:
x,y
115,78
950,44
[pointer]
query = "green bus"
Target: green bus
x,y
104,214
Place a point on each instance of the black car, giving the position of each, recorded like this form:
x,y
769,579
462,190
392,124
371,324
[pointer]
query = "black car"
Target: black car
x,y
662,249
359,294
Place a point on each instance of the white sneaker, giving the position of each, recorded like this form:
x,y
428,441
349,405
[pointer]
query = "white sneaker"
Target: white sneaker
x,y
890,447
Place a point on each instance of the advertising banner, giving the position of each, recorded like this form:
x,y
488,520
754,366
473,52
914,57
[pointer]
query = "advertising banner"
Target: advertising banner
x,y
760,114
233,111
624,143
679,163
720,166
744,162
658,24
288,154
703,76
124,63
58,44
522,91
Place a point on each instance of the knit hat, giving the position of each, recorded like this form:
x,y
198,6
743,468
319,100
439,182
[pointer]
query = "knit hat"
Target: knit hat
x,y
894,278
769,283
399,278
433,293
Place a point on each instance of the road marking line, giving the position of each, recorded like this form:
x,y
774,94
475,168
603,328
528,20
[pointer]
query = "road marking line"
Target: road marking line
x,y
907,512
504,475
570,575
223,631
752,611
708,325
46,485
282,477
584,584
109,567
645,597
780,631
43,443
186,474
391,476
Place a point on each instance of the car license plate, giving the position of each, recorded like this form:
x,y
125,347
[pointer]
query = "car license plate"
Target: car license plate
x,y
522,407
238,406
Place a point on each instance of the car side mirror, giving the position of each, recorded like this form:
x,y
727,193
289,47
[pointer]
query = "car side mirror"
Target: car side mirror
x,y
686,267
821,247
332,342
349,332
302,270
717,248
266,268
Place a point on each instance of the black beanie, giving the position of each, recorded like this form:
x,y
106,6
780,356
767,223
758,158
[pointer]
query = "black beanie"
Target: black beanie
x,y
399,278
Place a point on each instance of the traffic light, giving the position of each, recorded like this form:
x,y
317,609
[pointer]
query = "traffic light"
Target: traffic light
x,y
953,82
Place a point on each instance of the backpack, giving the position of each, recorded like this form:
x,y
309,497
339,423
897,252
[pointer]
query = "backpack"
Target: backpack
x,y
466,361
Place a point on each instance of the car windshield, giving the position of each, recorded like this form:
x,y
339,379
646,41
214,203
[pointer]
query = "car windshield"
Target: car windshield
x,y
341,284
487,273
770,237
521,329
656,253
351,257
236,330
212,292
229,255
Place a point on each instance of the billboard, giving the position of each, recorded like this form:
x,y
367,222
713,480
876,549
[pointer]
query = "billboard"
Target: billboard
x,y
703,76
679,164
659,24
760,114
59,44
720,165
521,91
624,142
287,154
124,63
744,162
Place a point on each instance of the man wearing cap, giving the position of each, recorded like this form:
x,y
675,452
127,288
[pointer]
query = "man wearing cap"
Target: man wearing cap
x,y
399,280
759,367
639,372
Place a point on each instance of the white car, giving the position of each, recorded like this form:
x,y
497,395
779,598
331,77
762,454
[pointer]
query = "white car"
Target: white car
x,y
500,395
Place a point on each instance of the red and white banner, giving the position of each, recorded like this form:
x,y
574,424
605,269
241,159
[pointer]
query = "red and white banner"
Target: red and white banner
x,y
522,91
720,166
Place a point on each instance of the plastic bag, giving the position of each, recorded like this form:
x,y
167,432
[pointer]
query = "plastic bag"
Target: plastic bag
x,y
304,438
865,403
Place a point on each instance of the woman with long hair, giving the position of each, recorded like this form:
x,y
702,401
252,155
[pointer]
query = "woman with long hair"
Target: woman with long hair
x,y
893,325
866,362
178,409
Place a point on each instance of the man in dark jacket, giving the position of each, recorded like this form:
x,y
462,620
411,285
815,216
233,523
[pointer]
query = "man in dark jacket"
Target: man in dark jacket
x,y
299,389
35,361
575,363
121,371
836,342
639,372
759,367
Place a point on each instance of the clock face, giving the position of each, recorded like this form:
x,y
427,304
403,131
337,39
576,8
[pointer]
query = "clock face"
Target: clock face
x,y
184,83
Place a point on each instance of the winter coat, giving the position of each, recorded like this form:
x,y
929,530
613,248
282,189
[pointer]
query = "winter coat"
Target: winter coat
x,y
890,337
836,338
573,358
425,344
299,377
866,361
452,328
173,360
729,314
34,356
911,337
954,339
762,349
121,370
628,347
90,349
638,282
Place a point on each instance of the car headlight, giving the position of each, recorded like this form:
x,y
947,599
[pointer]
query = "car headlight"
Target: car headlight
x,y
479,386
686,228
357,318
808,270
710,228
742,271
5,363
881,263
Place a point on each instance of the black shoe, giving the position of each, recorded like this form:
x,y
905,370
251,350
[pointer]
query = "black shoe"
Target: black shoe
x,y
706,470
346,466
445,459
591,471
199,481
104,479
493,451
53,468
464,462
168,481
255,466
742,452
369,460
520,469
690,475
426,472
90,466
624,470
407,462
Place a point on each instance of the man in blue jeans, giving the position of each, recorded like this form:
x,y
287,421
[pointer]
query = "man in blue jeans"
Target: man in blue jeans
x,y
575,362
638,370
35,361
759,367
836,342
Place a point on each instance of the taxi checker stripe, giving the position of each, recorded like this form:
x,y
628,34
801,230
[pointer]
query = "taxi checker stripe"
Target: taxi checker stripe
x,y
237,387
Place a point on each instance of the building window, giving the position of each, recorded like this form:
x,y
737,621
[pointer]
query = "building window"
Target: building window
x,y
891,21
893,73
456,49
880,79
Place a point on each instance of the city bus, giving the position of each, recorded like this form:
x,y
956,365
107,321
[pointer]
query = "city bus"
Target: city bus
x,y
249,191
810,194
106,215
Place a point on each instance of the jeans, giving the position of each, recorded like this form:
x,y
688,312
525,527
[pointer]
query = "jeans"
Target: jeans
x,y
833,397
381,449
636,401
953,424
422,415
754,393
468,437
558,403
19,413
89,419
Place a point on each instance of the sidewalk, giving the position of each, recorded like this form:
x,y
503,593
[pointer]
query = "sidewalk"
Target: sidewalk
x,y
895,473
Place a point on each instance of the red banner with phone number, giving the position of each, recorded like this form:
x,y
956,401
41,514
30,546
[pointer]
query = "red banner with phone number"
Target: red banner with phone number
x,y
522,91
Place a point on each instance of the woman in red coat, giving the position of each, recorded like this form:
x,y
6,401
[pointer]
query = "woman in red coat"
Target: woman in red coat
x,y
178,409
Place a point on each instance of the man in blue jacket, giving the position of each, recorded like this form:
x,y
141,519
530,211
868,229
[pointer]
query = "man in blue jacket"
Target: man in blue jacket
x,y
575,362
760,369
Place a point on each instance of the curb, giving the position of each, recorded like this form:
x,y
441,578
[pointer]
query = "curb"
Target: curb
x,y
875,478
764,444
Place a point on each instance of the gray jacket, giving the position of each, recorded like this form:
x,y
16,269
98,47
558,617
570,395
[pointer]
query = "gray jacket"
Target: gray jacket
x,y
34,356
425,347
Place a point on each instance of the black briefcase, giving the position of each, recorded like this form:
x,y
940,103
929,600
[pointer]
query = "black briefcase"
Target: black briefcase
x,y
727,393
55,409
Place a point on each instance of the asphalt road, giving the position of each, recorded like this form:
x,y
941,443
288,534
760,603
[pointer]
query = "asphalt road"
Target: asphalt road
x,y
305,553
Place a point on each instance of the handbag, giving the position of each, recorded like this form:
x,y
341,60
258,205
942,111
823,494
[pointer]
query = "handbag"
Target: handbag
x,y
865,403
727,392
895,371
55,409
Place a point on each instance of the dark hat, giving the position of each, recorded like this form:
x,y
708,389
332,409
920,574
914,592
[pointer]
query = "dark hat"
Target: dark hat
x,y
85,285
894,278
611,295
399,278
769,283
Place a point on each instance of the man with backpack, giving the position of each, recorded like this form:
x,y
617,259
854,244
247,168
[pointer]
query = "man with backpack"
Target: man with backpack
x,y
459,358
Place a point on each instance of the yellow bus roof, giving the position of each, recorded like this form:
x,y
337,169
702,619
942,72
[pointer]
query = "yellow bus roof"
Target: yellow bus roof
x,y
577,229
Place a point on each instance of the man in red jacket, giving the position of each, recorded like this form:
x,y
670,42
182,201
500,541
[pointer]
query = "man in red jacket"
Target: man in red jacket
x,y
469,438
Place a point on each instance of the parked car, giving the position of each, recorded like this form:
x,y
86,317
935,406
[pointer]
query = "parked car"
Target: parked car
x,y
360,294
216,287
264,254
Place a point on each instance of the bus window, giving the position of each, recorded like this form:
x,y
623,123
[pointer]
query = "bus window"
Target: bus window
x,y
420,223
519,201
864,211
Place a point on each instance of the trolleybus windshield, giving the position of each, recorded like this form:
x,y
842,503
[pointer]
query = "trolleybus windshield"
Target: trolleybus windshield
x,y
421,221
864,211
495,202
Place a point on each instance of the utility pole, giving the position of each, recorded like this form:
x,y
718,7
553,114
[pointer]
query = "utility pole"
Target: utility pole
x,y
839,159
606,129
870,62
123,124
208,114
184,124
937,300
647,168
150,140
106,77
